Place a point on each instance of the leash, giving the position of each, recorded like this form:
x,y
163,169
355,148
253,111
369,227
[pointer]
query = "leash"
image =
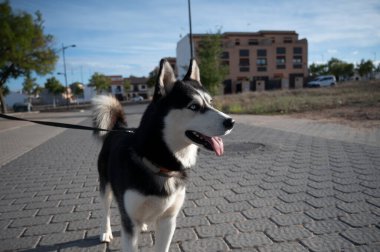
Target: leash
x,y
59,125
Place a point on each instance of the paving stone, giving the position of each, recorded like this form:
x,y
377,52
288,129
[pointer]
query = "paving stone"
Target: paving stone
x,y
210,201
184,234
45,229
296,197
248,240
26,222
55,210
200,211
331,242
234,207
291,233
354,207
270,201
71,217
225,218
192,221
325,213
321,202
204,245
255,225
284,247
83,224
11,233
291,219
361,236
264,212
18,214
22,243
60,238
361,219
217,230
326,226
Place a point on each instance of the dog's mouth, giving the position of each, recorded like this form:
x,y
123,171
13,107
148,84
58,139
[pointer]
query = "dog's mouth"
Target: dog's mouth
x,y
210,143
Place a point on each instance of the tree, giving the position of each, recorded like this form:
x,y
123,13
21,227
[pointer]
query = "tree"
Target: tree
x,y
152,78
127,85
100,82
54,87
24,48
77,89
212,71
317,69
365,67
37,90
29,85
340,69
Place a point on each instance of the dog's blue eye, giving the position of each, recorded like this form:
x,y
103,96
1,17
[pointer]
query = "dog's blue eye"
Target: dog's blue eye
x,y
195,107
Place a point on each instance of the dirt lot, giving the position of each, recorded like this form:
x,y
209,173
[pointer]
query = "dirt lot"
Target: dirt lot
x,y
357,117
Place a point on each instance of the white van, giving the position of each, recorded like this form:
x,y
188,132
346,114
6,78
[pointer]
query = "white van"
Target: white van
x,y
322,81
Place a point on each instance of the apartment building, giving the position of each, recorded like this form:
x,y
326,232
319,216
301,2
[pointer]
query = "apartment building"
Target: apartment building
x,y
256,61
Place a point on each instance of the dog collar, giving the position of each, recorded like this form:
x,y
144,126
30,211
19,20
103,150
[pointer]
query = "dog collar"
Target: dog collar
x,y
158,170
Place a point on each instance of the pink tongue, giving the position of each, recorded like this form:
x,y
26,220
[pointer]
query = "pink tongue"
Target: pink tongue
x,y
217,145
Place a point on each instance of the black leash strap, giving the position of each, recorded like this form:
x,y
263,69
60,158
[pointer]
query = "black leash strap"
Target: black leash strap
x,y
53,124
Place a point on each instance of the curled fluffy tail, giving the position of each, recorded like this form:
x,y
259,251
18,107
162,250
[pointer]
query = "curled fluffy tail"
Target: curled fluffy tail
x,y
107,113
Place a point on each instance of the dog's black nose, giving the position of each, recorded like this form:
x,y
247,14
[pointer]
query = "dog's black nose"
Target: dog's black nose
x,y
229,123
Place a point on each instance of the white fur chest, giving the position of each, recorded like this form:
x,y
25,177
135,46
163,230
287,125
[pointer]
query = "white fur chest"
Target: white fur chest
x,y
147,209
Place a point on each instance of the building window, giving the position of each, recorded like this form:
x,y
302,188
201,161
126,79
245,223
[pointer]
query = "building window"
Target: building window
x,y
244,69
261,61
237,42
244,53
288,40
261,52
244,62
297,50
253,42
281,50
280,62
262,69
225,55
297,62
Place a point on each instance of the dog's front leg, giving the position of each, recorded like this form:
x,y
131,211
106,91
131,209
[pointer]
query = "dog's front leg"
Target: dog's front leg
x,y
165,230
129,240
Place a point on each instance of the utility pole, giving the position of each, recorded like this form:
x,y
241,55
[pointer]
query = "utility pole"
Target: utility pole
x,y
191,33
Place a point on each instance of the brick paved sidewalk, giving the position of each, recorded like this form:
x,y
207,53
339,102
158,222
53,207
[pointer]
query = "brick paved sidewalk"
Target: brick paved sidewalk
x,y
272,191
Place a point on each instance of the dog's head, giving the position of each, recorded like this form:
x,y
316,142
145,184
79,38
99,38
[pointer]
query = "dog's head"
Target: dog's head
x,y
189,118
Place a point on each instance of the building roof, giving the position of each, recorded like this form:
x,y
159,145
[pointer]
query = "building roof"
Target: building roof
x,y
258,33
137,80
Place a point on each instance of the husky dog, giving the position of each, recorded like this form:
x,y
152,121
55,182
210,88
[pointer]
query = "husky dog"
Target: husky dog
x,y
145,169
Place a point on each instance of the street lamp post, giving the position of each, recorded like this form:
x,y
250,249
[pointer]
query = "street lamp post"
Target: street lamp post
x,y
64,71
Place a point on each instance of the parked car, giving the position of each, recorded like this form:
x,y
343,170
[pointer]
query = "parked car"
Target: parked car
x,y
322,81
137,98
21,107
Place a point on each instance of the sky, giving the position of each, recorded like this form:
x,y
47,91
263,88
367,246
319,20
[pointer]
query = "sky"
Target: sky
x,y
129,37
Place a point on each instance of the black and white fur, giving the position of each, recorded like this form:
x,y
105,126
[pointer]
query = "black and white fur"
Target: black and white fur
x,y
145,169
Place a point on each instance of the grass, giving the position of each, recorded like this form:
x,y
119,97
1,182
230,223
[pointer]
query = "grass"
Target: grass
x,y
350,94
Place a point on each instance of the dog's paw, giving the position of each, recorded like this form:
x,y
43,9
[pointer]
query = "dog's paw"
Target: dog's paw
x,y
144,227
106,237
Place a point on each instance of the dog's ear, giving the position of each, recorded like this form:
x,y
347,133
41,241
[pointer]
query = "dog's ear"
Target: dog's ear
x,y
193,72
165,80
